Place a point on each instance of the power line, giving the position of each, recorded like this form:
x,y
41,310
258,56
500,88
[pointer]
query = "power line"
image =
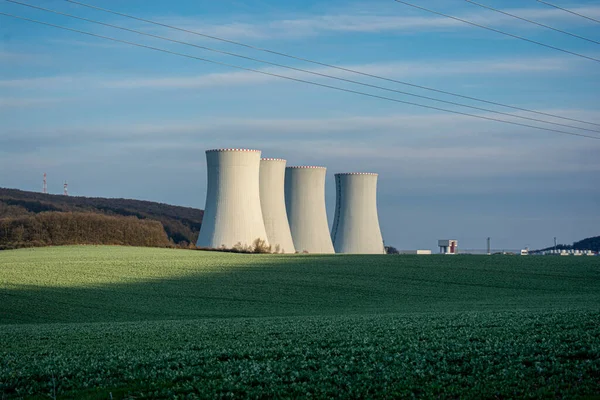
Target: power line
x,y
301,70
296,79
569,11
328,65
533,22
499,31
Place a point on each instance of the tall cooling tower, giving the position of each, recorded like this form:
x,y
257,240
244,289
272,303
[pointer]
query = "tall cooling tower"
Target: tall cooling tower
x,y
272,201
305,203
232,213
356,224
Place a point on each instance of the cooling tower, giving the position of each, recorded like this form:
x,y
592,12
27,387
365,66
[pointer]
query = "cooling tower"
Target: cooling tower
x,y
355,224
305,204
232,213
272,202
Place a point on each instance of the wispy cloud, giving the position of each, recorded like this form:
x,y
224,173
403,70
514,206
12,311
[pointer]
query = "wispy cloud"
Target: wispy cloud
x,y
389,130
44,82
17,57
236,78
101,43
392,70
401,19
379,153
30,102
431,156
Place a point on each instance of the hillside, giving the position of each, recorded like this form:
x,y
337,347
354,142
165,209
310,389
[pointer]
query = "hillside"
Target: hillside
x,y
181,224
591,243
126,284
121,322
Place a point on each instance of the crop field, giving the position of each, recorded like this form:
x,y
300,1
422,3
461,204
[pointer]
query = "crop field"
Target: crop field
x,y
97,322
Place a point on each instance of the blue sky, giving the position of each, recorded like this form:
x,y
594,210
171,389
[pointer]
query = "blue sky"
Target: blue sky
x,y
120,121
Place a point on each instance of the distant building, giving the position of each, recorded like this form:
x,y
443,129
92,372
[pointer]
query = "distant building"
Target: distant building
x,y
448,246
420,252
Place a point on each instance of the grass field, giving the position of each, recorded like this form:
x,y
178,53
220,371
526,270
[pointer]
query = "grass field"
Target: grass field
x,y
90,321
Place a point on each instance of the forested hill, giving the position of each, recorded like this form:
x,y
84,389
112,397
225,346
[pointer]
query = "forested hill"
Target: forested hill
x,y
591,243
181,224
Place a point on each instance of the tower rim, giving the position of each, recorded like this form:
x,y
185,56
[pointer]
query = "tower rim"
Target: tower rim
x,y
305,167
357,173
272,159
240,150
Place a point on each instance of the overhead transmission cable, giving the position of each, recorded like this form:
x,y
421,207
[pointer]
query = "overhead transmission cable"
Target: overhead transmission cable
x,y
327,65
532,22
569,11
295,79
302,70
498,31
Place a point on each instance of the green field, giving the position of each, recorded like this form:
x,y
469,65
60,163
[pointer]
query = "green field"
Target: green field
x,y
91,321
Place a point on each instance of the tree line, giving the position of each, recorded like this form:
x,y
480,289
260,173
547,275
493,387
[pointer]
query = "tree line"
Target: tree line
x,y
591,243
56,228
181,224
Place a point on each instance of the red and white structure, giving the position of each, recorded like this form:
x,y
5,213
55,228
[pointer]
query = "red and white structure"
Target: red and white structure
x,y
232,213
448,246
355,227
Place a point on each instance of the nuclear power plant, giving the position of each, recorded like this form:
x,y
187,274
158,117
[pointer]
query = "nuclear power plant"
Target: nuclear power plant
x,y
232,214
272,202
305,204
356,224
250,198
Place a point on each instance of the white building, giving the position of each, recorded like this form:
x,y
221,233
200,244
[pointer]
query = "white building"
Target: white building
x,y
419,252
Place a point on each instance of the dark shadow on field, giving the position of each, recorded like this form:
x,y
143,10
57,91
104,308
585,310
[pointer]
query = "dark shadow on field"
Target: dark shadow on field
x,y
319,285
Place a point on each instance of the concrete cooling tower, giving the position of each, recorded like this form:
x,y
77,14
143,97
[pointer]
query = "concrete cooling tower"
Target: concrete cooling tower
x,y
305,203
272,201
356,224
232,213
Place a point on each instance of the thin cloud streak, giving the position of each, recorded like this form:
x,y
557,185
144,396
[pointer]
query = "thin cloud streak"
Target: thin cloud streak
x,y
380,127
366,23
14,57
44,82
393,145
30,102
392,70
396,70
399,161
100,43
